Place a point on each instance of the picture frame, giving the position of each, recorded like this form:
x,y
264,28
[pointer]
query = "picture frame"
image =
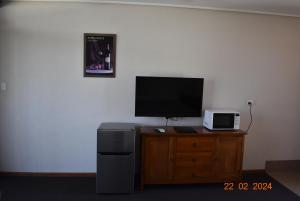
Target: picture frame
x,y
99,55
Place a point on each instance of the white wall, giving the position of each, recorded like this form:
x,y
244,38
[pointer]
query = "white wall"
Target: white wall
x,y
50,112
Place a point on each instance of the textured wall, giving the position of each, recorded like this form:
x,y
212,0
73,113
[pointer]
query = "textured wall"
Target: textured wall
x,y
50,112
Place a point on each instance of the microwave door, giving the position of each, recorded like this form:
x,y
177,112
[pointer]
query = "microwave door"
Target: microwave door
x,y
223,121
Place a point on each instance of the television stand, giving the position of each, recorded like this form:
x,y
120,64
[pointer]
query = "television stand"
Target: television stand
x,y
184,129
189,158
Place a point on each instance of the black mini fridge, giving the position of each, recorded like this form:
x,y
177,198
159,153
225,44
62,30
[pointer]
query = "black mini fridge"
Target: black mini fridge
x,y
115,158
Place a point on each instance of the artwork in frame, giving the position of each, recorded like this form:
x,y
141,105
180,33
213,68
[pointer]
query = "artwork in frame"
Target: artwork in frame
x,y
99,55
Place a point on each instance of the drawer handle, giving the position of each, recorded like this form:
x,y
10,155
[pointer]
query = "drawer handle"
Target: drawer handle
x,y
194,160
194,144
196,176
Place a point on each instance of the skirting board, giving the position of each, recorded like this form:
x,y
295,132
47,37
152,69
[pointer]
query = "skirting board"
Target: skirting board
x,y
81,174
283,165
48,174
254,171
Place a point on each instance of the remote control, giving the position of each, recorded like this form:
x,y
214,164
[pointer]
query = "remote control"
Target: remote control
x,y
161,130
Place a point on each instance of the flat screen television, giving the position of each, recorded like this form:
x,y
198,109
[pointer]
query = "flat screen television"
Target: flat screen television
x,y
168,97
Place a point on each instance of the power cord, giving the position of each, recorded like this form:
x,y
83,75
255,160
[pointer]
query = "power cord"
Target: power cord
x,y
251,117
166,123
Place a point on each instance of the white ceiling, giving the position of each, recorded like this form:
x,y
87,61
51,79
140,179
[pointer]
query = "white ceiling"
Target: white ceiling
x,y
274,7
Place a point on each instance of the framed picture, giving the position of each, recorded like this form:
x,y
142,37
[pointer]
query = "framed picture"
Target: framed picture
x,y
99,55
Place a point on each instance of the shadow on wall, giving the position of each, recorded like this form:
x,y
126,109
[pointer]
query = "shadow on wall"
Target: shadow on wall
x,y
208,94
3,2
3,77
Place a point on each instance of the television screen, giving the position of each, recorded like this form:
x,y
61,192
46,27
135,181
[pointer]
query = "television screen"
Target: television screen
x,y
168,97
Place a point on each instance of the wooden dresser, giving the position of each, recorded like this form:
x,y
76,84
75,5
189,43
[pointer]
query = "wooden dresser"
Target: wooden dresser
x,y
204,156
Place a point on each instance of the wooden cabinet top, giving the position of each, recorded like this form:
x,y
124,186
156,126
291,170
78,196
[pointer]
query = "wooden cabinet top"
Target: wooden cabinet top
x,y
199,131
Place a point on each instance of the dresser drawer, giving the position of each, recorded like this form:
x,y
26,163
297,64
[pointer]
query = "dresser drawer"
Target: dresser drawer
x,y
191,173
202,160
195,144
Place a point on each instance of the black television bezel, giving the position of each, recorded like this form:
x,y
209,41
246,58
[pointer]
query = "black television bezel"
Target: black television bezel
x,y
144,115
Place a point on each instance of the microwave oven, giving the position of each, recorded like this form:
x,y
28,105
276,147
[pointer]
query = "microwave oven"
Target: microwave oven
x,y
221,120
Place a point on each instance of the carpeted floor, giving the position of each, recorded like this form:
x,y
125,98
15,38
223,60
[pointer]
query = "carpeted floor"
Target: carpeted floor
x,y
83,189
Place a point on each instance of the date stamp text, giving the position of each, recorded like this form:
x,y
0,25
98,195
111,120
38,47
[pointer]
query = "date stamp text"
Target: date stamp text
x,y
246,186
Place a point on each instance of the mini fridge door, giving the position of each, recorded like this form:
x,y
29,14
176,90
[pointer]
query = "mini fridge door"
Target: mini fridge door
x,y
115,173
115,141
